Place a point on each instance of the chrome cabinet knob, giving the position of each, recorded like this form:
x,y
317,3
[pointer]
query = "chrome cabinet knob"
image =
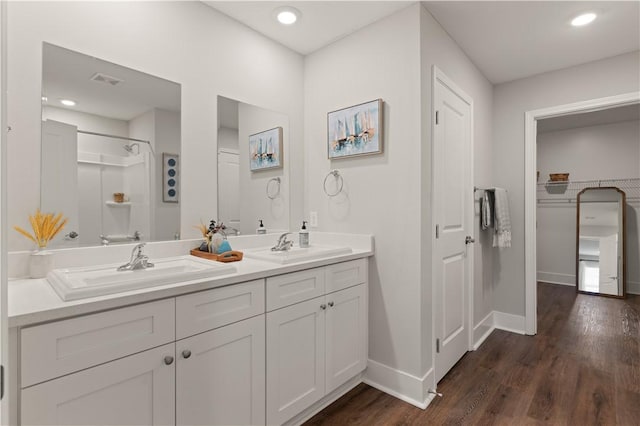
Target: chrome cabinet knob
x,y
323,306
330,304
186,353
168,360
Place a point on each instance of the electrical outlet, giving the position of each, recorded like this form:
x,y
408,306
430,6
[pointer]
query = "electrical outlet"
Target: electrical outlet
x,y
313,219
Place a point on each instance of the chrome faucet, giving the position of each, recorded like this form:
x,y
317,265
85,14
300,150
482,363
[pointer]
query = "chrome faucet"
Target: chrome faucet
x,y
138,260
283,244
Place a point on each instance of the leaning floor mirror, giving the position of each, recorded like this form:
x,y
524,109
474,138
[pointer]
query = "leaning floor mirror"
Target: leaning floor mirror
x,y
600,244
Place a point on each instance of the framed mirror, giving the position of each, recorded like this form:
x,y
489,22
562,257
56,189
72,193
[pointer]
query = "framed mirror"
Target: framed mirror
x,y
106,132
600,266
253,171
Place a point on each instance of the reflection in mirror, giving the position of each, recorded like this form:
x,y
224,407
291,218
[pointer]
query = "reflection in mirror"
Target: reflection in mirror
x,y
601,246
245,197
105,128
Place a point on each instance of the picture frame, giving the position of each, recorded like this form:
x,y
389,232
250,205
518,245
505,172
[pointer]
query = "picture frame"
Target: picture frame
x,y
170,177
265,150
355,131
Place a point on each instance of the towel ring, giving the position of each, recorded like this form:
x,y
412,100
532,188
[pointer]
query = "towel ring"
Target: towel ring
x,y
271,194
336,174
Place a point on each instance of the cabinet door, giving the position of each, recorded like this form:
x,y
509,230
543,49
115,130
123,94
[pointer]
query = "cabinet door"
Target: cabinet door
x,y
346,330
136,390
295,359
220,376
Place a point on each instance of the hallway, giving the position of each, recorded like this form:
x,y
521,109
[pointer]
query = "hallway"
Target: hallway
x,y
583,367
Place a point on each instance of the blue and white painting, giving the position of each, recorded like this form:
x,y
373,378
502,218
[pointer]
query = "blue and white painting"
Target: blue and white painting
x,y
265,150
356,130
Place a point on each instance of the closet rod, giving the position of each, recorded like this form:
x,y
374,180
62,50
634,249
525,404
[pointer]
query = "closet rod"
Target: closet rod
x,y
86,132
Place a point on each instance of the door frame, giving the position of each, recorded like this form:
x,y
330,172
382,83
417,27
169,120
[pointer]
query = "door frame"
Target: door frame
x,y
439,75
530,147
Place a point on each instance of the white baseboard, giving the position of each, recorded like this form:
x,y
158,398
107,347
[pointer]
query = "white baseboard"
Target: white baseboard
x,y
509,322
482,330
399,384
556,278
633,287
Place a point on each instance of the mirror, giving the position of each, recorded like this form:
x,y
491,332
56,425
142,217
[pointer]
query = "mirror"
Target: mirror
x,y
106,132
253,172
600,265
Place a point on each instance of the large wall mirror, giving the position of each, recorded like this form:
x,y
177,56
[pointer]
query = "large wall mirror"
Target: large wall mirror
x,y
106,132
253,167
600,242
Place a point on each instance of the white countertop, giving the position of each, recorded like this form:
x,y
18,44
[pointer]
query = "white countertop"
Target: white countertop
x,y
32,301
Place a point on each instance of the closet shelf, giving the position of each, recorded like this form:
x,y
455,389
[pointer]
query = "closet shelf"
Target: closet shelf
x,y
567,192
115,204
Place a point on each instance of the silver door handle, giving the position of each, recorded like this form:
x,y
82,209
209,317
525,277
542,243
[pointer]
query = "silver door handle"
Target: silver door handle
x,y
469,240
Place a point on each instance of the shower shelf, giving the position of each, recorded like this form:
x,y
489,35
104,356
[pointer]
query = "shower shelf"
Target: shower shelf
x,y
114,204
567,192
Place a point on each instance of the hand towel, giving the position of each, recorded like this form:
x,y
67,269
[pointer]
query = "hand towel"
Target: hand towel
x,y
486,210
502,235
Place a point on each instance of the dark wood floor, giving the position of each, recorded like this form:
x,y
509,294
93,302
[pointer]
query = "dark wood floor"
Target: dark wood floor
x,y
582,368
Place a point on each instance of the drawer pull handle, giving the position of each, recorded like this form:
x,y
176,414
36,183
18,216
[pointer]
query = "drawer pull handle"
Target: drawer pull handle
x,y
186,353
331,304
168,360
323,306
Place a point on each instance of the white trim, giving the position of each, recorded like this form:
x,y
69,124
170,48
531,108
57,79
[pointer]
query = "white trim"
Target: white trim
x,y
483,330
399,384
530,185
633,287
556,278
323,403
439,75
228,151
509,322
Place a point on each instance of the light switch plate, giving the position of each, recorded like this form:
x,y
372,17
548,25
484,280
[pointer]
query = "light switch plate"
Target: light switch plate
x,y
313,219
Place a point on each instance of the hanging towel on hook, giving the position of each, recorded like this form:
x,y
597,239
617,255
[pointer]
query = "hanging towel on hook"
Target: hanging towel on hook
x,y
502,235
486,210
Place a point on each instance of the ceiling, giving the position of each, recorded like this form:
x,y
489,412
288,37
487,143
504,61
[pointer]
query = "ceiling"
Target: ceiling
x,y
595,118
507,40
67,75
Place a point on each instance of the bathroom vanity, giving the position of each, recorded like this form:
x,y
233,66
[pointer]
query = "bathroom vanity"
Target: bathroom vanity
x,y
268,344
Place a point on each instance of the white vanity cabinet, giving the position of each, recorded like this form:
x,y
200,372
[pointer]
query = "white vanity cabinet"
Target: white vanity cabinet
x,y
315,345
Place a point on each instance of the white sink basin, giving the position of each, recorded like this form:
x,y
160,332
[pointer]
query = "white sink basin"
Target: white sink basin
x,y
91,281
296,254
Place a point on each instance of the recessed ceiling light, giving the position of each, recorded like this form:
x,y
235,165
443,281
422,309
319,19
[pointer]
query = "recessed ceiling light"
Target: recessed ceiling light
x,y
584,19
287,15
67,102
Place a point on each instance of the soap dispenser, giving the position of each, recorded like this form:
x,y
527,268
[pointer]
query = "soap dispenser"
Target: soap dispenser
x,y
261,229
304,235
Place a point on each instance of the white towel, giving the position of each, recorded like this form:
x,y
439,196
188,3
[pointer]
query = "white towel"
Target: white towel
x,y
502,235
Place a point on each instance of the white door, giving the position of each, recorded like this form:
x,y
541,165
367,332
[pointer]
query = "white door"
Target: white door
x,y
346,328
452,207
220,376
609,265
135,390
229,188
295,359
59,179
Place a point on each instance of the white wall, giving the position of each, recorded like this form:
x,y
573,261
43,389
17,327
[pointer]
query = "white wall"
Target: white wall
x,y
228,138
388,195
254,203
588,153
206,52
166,139
597,79
438,49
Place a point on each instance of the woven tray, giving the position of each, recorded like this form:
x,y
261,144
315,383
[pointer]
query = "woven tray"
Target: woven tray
x,y
230,256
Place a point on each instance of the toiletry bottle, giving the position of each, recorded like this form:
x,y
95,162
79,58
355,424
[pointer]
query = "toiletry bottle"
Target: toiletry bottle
x,y
304,235
261,229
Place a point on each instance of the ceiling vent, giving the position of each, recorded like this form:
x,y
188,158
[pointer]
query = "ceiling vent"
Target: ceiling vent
x,y
106,79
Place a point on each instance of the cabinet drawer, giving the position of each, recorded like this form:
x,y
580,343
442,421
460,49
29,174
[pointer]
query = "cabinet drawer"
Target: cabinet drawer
x,y
206,310
285,290
61,347
346,274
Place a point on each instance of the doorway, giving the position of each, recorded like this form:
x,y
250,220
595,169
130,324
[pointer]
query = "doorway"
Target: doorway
x,y
531,124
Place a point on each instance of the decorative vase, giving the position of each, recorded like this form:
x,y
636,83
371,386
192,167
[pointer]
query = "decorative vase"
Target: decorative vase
x,y
40,263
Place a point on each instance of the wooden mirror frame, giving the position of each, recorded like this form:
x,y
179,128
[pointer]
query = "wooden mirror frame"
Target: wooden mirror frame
x,y
624,243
